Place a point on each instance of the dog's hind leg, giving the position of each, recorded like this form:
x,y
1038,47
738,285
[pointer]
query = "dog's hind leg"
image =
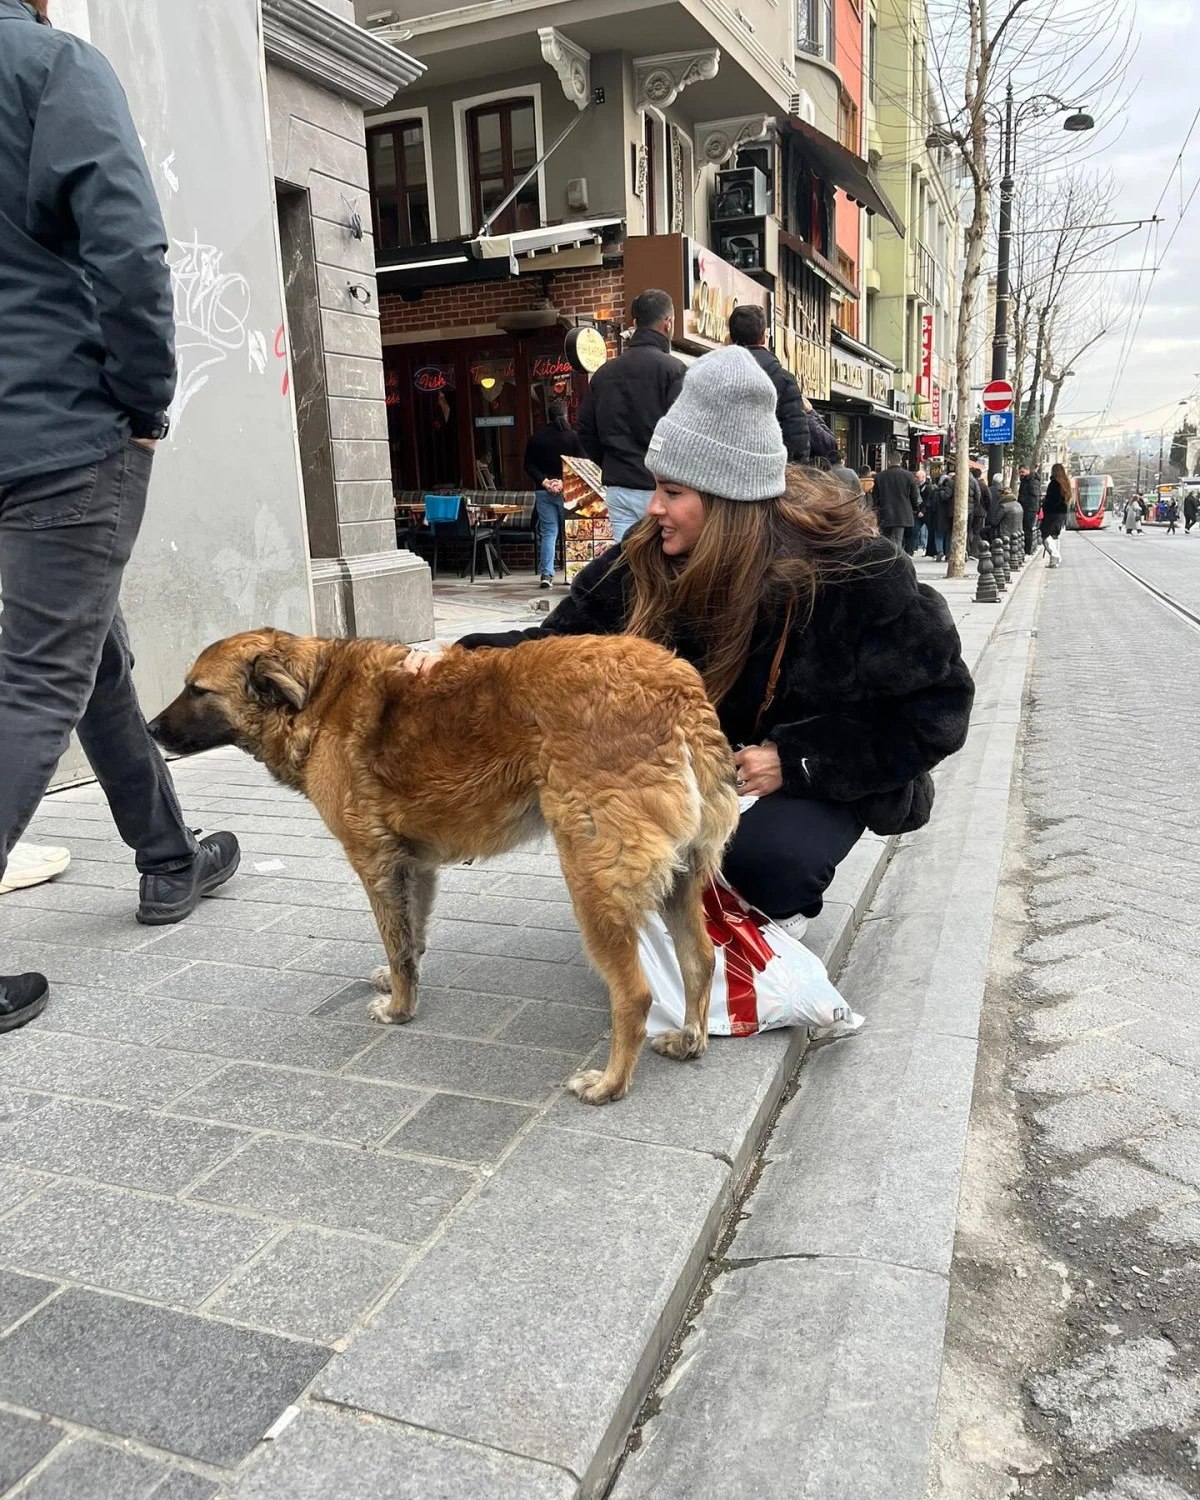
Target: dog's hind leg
x,y
683,912
614,951
400,899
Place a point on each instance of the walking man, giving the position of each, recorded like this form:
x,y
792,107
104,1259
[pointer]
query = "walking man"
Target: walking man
x,y
1029,493
748,327
1191,509
625,399
897,499
87,370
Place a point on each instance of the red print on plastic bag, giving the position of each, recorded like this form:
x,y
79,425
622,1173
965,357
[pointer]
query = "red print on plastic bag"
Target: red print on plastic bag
x,y
747,952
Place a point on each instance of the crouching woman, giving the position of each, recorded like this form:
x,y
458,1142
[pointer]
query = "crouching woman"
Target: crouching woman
x,y
838,678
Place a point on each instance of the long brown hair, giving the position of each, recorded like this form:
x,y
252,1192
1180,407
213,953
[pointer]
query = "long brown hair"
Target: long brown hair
x,y
1059,475
750,553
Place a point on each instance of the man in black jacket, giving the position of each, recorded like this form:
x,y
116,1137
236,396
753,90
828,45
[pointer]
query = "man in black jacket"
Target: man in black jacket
x,y
897,499
625,399
1029,493
748,327
87,370
978,498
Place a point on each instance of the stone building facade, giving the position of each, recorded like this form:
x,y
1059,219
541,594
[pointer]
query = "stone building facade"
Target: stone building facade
x,y
323,71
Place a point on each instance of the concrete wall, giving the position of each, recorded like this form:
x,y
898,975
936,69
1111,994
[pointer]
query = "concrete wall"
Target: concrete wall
x,y
223,546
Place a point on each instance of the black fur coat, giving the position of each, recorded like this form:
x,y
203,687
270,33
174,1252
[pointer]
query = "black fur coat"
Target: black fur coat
x,y
873,690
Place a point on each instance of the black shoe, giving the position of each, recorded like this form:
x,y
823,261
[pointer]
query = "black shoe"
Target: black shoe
x,y
170,897
22,996
547,580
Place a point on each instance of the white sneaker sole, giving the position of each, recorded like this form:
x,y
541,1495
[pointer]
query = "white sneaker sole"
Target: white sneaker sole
x,y
48,870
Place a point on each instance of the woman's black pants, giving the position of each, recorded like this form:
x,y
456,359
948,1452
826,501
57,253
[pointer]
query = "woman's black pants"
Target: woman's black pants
x,y
785,851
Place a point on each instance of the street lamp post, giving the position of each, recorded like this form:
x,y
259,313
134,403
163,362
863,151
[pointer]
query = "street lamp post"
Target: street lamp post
x,y
1076,120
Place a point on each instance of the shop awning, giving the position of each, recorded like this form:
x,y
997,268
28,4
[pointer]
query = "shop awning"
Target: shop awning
x,y
548,242
848,171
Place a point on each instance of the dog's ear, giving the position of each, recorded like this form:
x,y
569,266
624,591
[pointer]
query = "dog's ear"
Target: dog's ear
x,y
274,684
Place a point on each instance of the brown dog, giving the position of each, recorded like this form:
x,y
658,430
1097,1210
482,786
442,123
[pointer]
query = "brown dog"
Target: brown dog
x,y
608,742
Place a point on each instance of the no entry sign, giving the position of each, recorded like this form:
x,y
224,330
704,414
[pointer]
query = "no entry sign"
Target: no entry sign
x,y
998,396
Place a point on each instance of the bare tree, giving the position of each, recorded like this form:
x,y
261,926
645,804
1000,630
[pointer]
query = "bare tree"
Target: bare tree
x,y
1053,51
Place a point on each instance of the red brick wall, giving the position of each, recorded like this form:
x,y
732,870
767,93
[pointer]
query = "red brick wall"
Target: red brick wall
x,y
589,291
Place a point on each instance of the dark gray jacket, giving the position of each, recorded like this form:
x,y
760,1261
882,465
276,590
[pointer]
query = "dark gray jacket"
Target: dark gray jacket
x,y
87,350
896,496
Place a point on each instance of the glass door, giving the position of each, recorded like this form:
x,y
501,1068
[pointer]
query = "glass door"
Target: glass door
x,y
494,424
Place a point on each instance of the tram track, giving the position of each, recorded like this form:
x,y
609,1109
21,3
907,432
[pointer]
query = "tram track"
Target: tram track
x,y
1185,614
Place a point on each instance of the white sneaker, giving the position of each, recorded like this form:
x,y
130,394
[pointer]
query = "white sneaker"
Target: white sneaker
x,y
30,864
795,927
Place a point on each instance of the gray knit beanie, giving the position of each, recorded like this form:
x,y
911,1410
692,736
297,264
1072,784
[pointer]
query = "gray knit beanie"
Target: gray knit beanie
x,y
721,437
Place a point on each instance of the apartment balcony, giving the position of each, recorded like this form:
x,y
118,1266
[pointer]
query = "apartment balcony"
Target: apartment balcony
x,y
458,41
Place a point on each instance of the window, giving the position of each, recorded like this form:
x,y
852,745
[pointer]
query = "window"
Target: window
x,y
808,27
399,184
649,142
501,148
848,123
872,54
828,33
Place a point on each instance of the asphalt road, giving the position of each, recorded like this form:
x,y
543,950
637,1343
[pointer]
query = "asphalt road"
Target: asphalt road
x,y
1073,1355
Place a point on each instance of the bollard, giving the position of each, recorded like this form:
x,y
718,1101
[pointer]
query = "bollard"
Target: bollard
x,y
985,590
998,564
1016,551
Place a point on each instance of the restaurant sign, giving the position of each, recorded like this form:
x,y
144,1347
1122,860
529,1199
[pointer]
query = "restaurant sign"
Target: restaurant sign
x,y
704,288
851,376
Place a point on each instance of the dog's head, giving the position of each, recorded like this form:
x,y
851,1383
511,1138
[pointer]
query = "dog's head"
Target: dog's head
x,y
241,691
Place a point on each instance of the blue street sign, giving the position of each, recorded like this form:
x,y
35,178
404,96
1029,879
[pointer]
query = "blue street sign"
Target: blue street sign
x,y
998,426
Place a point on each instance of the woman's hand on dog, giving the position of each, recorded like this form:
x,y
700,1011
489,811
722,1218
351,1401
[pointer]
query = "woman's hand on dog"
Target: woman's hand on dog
x,y
421,663
758,771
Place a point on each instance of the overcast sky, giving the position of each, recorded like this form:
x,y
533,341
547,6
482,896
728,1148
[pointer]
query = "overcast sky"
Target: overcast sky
x,y
1164,364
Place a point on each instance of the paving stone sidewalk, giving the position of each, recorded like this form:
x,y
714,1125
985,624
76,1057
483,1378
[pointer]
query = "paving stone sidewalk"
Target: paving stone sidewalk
x,y
229,1201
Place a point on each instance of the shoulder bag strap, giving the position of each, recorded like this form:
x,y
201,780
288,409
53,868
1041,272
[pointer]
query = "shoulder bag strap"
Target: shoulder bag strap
x,y
776,666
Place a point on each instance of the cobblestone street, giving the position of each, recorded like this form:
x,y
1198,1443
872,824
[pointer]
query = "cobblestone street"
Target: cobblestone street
x,y
1076,1280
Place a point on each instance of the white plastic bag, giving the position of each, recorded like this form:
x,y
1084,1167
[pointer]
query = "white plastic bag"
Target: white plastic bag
x,y
764,978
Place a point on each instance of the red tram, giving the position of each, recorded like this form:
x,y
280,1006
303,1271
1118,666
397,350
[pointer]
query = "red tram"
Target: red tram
x,y
1092,493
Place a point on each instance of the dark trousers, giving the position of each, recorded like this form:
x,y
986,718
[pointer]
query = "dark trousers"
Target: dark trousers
x,y
785,851
1030,523
65,662
895,534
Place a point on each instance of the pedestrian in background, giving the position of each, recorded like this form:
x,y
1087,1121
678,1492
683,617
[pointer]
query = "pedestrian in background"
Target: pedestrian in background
x,y
1172,516
625,399
1134,511
87,371
745,567
821,441
977,513
1191,508
1012,518
1054,513
544,464
941,515
845,475
748,329
866,481
896,500
1029,493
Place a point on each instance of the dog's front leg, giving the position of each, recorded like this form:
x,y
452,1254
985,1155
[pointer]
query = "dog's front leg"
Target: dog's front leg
x,y
400,904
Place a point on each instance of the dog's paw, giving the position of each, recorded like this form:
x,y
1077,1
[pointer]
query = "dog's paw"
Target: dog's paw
x,y
381,1010
381,979
594,1087
690,1041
